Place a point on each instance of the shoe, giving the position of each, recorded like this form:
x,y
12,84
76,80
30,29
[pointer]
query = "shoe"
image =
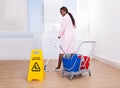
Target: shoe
x,y
57,69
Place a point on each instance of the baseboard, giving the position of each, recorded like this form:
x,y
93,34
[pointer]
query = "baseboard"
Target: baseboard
x,y
108,62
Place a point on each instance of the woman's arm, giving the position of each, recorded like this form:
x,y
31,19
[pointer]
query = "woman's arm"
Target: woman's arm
x,y
63,27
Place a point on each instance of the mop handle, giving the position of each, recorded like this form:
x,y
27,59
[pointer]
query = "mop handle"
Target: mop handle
x,y
51,53
62,49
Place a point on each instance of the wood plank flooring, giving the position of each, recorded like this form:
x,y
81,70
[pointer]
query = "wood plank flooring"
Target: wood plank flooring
x,y
13,74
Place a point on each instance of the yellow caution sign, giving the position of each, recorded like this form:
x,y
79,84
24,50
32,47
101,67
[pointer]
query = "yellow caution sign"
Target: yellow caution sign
x,y
36,66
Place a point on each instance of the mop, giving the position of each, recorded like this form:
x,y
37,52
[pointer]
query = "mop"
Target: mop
x,y
45,66
51,53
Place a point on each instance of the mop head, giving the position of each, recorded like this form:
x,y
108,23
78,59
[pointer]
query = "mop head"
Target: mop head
x,y
45,68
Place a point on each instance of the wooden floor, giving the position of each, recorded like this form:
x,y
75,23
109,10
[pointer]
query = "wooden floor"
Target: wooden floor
x,y
13,74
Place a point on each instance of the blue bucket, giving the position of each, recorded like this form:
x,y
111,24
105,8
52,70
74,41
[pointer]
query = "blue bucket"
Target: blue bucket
x,y
72,64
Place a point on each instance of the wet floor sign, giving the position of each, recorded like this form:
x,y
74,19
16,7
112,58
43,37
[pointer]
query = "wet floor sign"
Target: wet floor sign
x,y
36,66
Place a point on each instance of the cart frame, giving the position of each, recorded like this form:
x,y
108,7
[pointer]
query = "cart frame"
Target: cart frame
x,y
72,74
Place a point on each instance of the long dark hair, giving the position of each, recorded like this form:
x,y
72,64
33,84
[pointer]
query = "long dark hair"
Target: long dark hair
x,y
72,18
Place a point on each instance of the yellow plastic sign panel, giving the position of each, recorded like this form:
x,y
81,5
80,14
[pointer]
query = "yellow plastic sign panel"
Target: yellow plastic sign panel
x,y
36,66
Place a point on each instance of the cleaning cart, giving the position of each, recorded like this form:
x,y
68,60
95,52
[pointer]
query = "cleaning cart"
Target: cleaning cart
x,y
77,64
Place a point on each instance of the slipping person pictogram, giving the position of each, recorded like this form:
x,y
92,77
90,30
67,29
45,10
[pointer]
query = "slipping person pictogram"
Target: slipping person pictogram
x,y
36,67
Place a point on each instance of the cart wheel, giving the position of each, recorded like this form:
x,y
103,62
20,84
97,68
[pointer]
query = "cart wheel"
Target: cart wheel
x,y
62,73
71,77
89,73
80,74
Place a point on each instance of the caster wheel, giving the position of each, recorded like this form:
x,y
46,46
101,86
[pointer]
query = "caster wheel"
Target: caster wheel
x,y
89,73
62,74
80,74
71,77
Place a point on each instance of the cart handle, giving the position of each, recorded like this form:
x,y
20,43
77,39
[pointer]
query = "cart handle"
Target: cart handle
x,y
83,42
94,44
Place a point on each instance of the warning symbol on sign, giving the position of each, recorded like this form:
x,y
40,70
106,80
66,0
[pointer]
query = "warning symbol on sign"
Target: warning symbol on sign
x,y
36,67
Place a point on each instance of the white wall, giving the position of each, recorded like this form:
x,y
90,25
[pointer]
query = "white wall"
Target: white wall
x,y
14,47
13,21
104,21
35,15
13,16
71,5
16,42
82,20
51,11
18,46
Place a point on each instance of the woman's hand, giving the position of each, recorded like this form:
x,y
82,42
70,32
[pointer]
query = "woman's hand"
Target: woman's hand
x,y
59,37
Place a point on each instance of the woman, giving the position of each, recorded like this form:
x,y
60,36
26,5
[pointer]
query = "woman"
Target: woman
x,y
66,34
